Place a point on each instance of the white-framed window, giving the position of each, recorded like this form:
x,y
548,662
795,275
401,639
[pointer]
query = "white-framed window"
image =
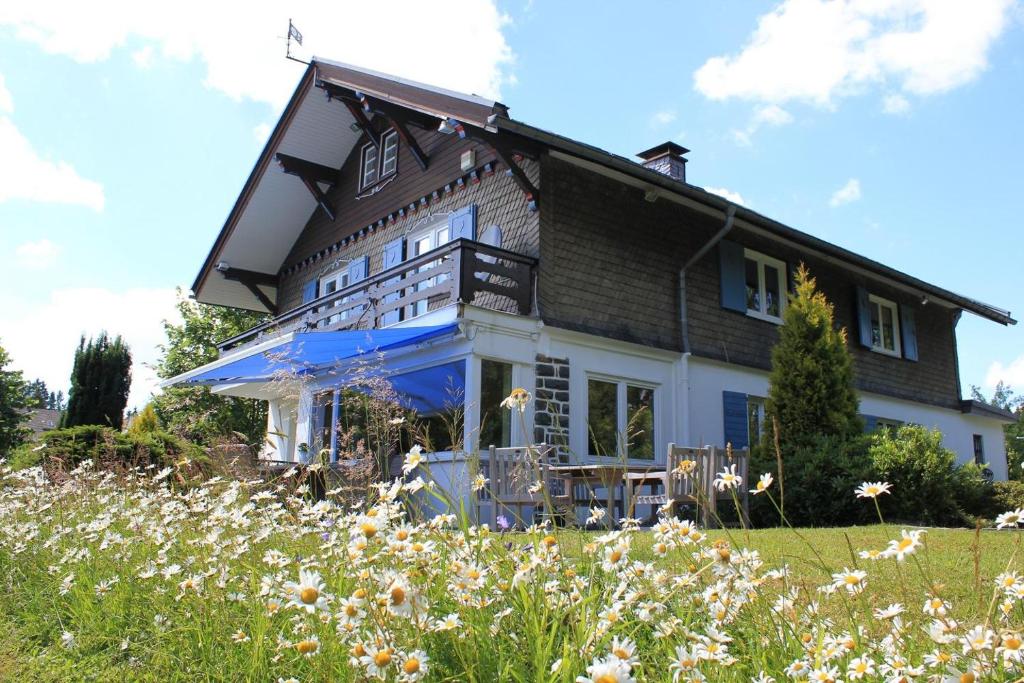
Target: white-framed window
x,y
426,237
379,159
885,328
330,283
369,168
765,279
389,157
620,418
756,425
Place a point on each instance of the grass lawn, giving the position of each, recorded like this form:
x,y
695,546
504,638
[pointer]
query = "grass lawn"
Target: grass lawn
x,y
961,562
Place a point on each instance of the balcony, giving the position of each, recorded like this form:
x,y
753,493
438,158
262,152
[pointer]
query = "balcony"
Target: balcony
x,y
453,273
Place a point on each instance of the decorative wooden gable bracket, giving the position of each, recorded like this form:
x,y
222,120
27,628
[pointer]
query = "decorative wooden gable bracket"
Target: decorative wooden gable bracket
x,y
251,279
361,121
311,174
515,170
360,104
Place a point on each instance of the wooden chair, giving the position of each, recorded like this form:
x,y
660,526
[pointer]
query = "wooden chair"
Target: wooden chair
x,y
512,473
723,458
677,488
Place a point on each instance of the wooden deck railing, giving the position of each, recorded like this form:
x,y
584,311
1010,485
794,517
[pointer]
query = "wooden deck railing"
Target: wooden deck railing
x,y
454,272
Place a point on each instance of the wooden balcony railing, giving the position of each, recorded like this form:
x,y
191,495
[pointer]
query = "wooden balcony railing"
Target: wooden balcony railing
x,y
454,272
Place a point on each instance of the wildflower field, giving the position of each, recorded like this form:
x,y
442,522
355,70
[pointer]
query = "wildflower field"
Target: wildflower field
x,y
135,577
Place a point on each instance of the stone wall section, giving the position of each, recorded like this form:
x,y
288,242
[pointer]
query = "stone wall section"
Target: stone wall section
x,y
551,404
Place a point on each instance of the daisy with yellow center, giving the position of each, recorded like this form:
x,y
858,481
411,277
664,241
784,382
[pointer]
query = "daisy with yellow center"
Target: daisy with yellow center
x,y
517,400
728,479
412,666
906,544
308,647
1011,518
763,483
873,489
853,580
308,593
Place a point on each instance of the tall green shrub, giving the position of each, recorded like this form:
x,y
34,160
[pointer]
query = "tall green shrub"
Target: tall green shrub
x,y
100,380
811,390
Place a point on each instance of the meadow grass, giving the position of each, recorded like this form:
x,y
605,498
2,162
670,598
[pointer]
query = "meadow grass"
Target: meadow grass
x,y
106,577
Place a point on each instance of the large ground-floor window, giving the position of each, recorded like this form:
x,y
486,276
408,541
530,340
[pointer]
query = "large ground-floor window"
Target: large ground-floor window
x,y
495,421
620,419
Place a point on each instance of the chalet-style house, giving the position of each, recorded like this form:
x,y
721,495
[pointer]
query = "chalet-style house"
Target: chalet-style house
x,y
474,253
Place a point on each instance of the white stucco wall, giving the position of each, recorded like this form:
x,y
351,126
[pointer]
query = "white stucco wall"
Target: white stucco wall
x,y
708,379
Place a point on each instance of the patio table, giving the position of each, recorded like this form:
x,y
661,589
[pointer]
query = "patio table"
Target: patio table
x,y
610,475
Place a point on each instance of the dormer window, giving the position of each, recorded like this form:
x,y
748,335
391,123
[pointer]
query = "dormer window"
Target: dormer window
x,y
379,160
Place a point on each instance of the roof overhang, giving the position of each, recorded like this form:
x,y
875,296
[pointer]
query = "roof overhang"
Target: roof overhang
x,y
981,409
274,206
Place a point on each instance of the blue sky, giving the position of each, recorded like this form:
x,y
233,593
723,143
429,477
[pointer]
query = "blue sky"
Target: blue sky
x,y
890,128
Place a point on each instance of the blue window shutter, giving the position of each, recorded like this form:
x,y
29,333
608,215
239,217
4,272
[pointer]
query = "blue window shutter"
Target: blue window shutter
x,y
870,423
908,332
357,269
733,285
864,317
462,223
309,291
394,254
734,408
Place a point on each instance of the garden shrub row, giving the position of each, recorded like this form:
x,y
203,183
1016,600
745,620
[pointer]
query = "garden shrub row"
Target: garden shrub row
x,y
819,479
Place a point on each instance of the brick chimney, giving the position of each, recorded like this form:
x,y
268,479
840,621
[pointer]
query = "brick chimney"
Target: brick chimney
x,y
666,158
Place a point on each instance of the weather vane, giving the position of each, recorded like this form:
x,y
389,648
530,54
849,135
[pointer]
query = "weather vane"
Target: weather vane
x,y
293,33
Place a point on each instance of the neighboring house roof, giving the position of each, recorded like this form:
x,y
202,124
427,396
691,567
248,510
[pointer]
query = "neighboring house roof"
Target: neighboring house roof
x,y
272,209
42,420
983,409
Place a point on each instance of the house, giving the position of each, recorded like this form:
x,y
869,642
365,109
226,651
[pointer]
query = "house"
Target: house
x,y
474,253
41,420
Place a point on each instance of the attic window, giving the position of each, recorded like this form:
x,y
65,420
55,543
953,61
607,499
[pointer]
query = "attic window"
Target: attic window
x,y
379,160
369,170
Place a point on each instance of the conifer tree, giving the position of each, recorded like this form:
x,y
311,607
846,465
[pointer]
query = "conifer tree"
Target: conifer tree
x,y
811,393
100,381
12,406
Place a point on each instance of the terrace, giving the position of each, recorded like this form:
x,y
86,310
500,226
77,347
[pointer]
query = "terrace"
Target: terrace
x,y
459,272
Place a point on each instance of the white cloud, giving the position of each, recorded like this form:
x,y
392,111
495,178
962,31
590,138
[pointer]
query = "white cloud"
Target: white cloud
x,y
36,255
24,174
818,51
6,103
734,197
243,47
1012,374
895,104
850,192
143,57
261,132
662,118
42,339
764,115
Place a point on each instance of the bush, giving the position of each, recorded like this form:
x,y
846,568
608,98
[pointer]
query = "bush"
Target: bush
x,y
921,470
64,449
974,493
1007,495
819,480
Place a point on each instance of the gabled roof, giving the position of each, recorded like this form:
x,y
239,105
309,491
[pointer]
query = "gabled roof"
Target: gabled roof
x,y
273,208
